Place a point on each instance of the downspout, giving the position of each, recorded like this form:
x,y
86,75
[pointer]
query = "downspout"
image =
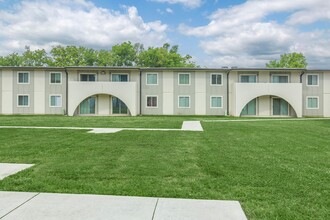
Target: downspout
x,y
228,92
301,75
67,91
140,92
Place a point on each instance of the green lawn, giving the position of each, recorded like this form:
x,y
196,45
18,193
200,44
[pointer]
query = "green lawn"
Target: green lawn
x,y
276,169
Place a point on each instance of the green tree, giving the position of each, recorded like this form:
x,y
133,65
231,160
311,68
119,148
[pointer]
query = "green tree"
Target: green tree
x,y
289,60
165,56
13,59
124,54
35,58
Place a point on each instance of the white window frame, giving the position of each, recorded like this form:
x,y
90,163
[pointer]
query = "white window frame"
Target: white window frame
x,y
216,74
184,74
50,100
29,74
313,97
50,78
23,106
119,74
147,101
216,96
87,74
246,74
186,96
313,74
275,74
147,79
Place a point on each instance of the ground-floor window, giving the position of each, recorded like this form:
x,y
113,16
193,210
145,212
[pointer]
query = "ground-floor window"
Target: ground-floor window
x,y
118,107
184,102
152,102
87,106
23,100
280,107
216,102
250,108
312,102
55,101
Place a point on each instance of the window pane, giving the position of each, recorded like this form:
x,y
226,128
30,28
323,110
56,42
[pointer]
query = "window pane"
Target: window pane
x,y
23,77
118,107
55,101
87,106
23,100
216,102
55,77
312,80
216,79
312,103
280,79
151,79
184,102
248,78
152,101
280,107
250,108
119,77
183,78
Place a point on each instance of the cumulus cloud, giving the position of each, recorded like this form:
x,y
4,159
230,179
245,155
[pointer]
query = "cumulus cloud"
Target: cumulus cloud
x,y
43,23
186,3
245,35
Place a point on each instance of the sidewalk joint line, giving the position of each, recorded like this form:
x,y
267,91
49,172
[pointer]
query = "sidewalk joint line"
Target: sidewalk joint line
x,y
20,205
153,214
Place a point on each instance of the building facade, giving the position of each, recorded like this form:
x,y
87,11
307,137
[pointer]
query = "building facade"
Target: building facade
x,y
165,91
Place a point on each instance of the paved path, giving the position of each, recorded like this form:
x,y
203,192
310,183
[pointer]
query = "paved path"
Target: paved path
x,y
7,169
186,126
40,206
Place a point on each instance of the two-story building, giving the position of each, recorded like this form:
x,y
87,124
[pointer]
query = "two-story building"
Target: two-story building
x,y
165,91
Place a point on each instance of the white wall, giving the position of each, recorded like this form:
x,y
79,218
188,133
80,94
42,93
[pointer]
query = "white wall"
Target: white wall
x,y
39,92
168,89
7,92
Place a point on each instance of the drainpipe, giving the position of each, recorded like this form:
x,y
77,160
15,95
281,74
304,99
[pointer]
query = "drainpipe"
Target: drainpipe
x,y
302,73
67,91
228,92
140,92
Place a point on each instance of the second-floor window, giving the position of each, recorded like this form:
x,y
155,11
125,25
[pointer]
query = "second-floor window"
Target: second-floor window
x,y
280,78
152,78
248,78
119,77
216,79
23,77
87,77
312,80
55,78
184,79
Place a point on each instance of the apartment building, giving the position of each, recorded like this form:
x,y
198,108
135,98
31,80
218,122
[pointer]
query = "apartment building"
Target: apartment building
x,y
165,91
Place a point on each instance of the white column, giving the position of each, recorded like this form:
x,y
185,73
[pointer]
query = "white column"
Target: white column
x,y
200,93
326,95
7,92
39,92
168,89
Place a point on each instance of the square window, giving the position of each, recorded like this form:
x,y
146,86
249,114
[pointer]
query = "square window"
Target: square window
x,y
55,101
23,100
216,102
152,78
55,78
23,77
216,79
312,102
184,79
312,80
152,101
184,102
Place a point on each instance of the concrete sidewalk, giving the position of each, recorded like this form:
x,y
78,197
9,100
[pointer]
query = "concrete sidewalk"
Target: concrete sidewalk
x,y
40,206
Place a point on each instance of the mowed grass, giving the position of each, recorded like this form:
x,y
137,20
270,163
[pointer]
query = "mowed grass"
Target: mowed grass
x,y
276,169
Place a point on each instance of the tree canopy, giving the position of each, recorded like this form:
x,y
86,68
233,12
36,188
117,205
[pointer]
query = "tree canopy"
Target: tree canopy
x,y
289,60
125,54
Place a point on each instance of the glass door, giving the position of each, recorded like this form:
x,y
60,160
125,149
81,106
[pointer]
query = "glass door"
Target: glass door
x,y
87,106
280,107
250,108
118,107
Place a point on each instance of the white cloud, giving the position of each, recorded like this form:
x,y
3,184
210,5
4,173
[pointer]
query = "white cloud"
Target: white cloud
x,y
169,10
244,34
186,3
43,23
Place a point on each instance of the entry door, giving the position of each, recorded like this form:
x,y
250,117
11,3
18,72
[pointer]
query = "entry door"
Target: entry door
x,y
250,108
118,107
280,107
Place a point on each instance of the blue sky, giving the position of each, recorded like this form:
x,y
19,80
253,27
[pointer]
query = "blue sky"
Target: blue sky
x,y
215,32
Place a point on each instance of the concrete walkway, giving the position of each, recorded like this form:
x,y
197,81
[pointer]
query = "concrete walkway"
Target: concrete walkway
x,y
186,126
7,169
40,206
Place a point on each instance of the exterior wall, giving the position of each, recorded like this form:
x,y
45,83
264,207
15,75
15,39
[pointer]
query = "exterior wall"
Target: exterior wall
x,y
326,94
154,90
315,91
0,91
216,90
